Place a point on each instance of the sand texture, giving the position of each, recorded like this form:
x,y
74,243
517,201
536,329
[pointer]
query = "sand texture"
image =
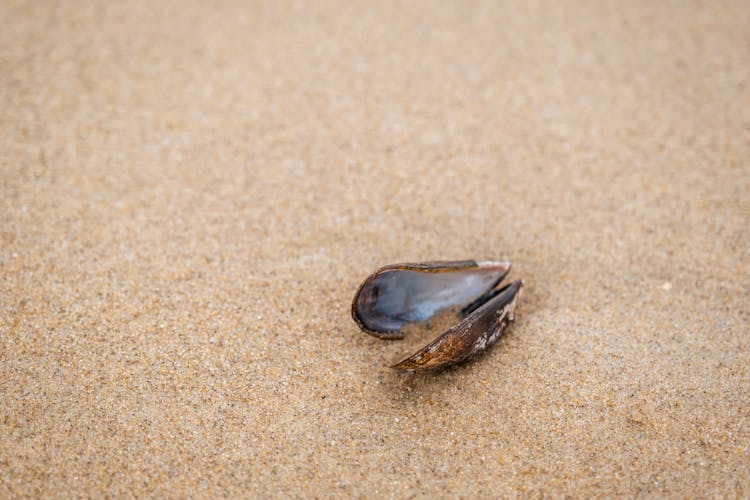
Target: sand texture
x,y
191,193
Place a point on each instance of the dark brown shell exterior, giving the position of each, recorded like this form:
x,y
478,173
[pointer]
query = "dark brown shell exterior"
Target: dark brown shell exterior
x,y
473,335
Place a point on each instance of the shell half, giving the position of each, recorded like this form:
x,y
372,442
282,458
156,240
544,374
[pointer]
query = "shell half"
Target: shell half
x,y
473,335
401,293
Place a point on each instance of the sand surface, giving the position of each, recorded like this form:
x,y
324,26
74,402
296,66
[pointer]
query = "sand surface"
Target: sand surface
x,y
191,193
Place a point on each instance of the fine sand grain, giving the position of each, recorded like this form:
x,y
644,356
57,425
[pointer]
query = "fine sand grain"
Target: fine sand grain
x,y
191,192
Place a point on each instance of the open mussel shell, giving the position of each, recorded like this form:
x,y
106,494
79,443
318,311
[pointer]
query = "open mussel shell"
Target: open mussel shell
x,y
401,293
473,335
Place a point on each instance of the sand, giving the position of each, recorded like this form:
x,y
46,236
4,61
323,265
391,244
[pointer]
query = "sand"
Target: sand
x,y
192,192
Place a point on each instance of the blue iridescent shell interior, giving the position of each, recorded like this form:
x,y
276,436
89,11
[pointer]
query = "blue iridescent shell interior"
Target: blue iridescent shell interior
x,y
391,298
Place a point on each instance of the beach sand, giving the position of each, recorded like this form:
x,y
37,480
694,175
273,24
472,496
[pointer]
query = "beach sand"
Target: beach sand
x,y
191,193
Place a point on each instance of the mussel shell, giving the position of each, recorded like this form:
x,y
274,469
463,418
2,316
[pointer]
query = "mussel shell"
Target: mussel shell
x,y
400,293
474,334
